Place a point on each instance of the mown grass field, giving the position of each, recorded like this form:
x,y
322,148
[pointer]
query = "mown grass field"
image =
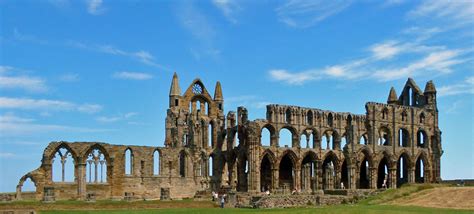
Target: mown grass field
x,y
385,202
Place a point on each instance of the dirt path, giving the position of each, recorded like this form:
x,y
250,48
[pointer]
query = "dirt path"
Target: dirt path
x,y
443,197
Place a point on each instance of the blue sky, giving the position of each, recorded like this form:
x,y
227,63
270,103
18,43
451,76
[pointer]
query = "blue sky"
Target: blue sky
x,y
100,70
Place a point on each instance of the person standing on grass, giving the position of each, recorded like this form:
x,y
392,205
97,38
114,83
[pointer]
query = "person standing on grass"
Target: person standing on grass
x,y
222,201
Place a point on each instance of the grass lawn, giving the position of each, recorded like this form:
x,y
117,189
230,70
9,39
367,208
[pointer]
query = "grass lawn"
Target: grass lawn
x,y
346,209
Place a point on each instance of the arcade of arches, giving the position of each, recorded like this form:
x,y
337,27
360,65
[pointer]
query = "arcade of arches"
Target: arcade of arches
x,y
293,148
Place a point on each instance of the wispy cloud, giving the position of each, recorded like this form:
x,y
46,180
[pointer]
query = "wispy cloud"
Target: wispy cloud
x,y
306,13
465,87
46,105
141,55
11,125
11,79
434,64
458,12
228,8
94,7
200,27
132,75
104,119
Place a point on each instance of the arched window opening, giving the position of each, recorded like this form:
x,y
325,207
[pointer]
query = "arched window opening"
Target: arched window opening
x,y
304,141
203,165
288,116
265,138
330,120
343,142
96,167
156,162
403,138
236,139
28,186
363,140
206,108
210,136
185,140
266,174
383,175
182,164
307,172
211,166
364,179
384,139
309,118
420,171
410,97
286,138
385,113
324,142
286,173
242,173
422,118
421,139
402,170
63,166
329,172
344,176
404,116
128,162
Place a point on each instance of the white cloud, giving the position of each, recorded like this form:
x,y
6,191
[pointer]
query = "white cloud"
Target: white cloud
x,y
46,105
142,56
228,8
385,50
458,12
435,63
465,87
31,84
11,118
94,7
89,108
132,75
296,78
104,119
11,125
306,13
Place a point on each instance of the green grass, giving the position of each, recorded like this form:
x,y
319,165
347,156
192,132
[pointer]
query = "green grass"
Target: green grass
x,y
392,194
346,209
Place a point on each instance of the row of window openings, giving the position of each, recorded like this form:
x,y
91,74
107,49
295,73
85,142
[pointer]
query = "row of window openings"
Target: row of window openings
x,y
404,116
309,118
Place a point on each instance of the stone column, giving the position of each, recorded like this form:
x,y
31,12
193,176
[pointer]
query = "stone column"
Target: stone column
x,y
392,177
352,178
319,175
81,180
297,181
411,175
63,162
275,179
373,177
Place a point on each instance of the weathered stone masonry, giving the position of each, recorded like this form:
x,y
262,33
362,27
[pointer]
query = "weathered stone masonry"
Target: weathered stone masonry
x,y
204,149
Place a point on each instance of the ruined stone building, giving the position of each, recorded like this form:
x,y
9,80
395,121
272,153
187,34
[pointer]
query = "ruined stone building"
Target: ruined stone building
x,y
205,149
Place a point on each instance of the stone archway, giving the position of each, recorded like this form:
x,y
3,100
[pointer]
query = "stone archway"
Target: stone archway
x,y
383,173
266,173
286,173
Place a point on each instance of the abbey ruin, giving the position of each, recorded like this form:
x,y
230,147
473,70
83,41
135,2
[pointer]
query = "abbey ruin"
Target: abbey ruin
x,y
207,150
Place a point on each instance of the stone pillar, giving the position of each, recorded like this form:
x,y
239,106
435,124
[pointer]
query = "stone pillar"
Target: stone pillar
x,y
373,177
411,175
81,180
392,177
297,179
319,175
63,162
275,179
352,178
254,173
